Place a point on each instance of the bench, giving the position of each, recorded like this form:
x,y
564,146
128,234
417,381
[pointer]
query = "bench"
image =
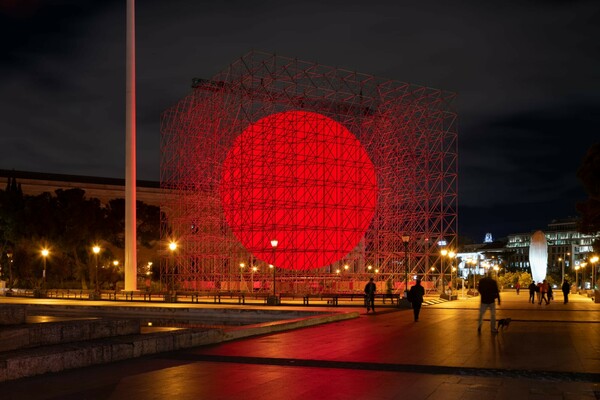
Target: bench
x,y
241,296
111,294
194,296
129,294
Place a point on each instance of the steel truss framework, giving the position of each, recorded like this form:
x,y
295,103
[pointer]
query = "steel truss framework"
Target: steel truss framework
x,y
408,132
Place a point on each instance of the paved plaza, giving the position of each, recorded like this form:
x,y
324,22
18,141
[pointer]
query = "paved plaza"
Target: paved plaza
x,y
547,352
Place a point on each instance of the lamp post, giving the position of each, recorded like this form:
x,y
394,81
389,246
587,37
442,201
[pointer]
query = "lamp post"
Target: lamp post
x,y
253,269
582,267
576,276
171,284
45,253
273,300
96,250
242,265
405,240
444,253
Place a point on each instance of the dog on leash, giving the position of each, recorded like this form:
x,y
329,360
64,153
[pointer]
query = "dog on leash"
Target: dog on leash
x,y
503,323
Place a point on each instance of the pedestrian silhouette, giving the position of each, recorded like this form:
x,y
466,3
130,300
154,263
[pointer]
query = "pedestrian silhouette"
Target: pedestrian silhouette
x,y
415,296
566,287
531,288
488,289
544,292
370,289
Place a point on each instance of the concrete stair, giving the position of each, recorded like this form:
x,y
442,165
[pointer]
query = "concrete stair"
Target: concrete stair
x,y
29,349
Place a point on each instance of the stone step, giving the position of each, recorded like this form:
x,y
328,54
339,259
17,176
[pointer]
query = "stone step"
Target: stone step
x,y
59,357
27,335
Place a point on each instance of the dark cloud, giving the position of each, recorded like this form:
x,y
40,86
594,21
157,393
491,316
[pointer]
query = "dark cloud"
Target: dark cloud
x,y
526,75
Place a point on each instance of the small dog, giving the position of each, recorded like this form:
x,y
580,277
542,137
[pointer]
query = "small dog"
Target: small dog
x,y
504,322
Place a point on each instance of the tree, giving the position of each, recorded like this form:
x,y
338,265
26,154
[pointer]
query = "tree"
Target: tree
x,y
147,219
69,224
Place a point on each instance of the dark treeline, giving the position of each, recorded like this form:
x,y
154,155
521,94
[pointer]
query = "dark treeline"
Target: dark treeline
x,y
67,224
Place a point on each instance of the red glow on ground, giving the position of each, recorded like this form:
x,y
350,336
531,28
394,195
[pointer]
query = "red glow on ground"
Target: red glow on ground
x,y
303,179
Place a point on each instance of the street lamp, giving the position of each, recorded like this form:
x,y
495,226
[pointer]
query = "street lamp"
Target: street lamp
x,y
254,269
576,276
405,240
96,250
273,300
242,265
45,253
444,253
172,248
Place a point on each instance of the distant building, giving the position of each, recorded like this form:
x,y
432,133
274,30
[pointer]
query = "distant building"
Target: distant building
x,y
565,245
566,248
104,189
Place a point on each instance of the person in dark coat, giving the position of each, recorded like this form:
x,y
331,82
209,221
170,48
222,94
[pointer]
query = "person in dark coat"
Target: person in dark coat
x,y
370,289
488,289
531,288
566,288
415,296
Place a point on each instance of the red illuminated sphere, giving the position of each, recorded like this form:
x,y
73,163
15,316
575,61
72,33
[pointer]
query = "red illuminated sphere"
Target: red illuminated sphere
x,y
303,179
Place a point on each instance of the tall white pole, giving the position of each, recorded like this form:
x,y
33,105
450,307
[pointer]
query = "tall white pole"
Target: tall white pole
x,y
130,156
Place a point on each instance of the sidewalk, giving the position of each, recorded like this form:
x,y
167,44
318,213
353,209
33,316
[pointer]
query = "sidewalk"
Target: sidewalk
x,y
547,352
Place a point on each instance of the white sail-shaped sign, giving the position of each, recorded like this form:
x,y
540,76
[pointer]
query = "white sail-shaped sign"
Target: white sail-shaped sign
x,y
538,256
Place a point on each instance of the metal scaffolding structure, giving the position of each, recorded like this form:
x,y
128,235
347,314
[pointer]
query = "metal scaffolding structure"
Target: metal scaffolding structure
x,y
336,165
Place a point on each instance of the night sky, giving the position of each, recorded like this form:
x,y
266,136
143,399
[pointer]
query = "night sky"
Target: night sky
x,y
527,75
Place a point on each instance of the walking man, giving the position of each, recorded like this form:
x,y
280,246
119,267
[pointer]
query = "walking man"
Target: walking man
x,y
566,287
532,287
488,290
370,295
415,296
544,291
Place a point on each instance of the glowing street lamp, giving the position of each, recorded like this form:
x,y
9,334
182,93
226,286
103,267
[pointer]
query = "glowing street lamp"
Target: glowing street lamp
x,y
444,253
242,265
96,250
45,253
172,248
274,244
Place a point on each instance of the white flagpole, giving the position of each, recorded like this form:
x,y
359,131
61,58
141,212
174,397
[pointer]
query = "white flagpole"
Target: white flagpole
x,y
130,156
